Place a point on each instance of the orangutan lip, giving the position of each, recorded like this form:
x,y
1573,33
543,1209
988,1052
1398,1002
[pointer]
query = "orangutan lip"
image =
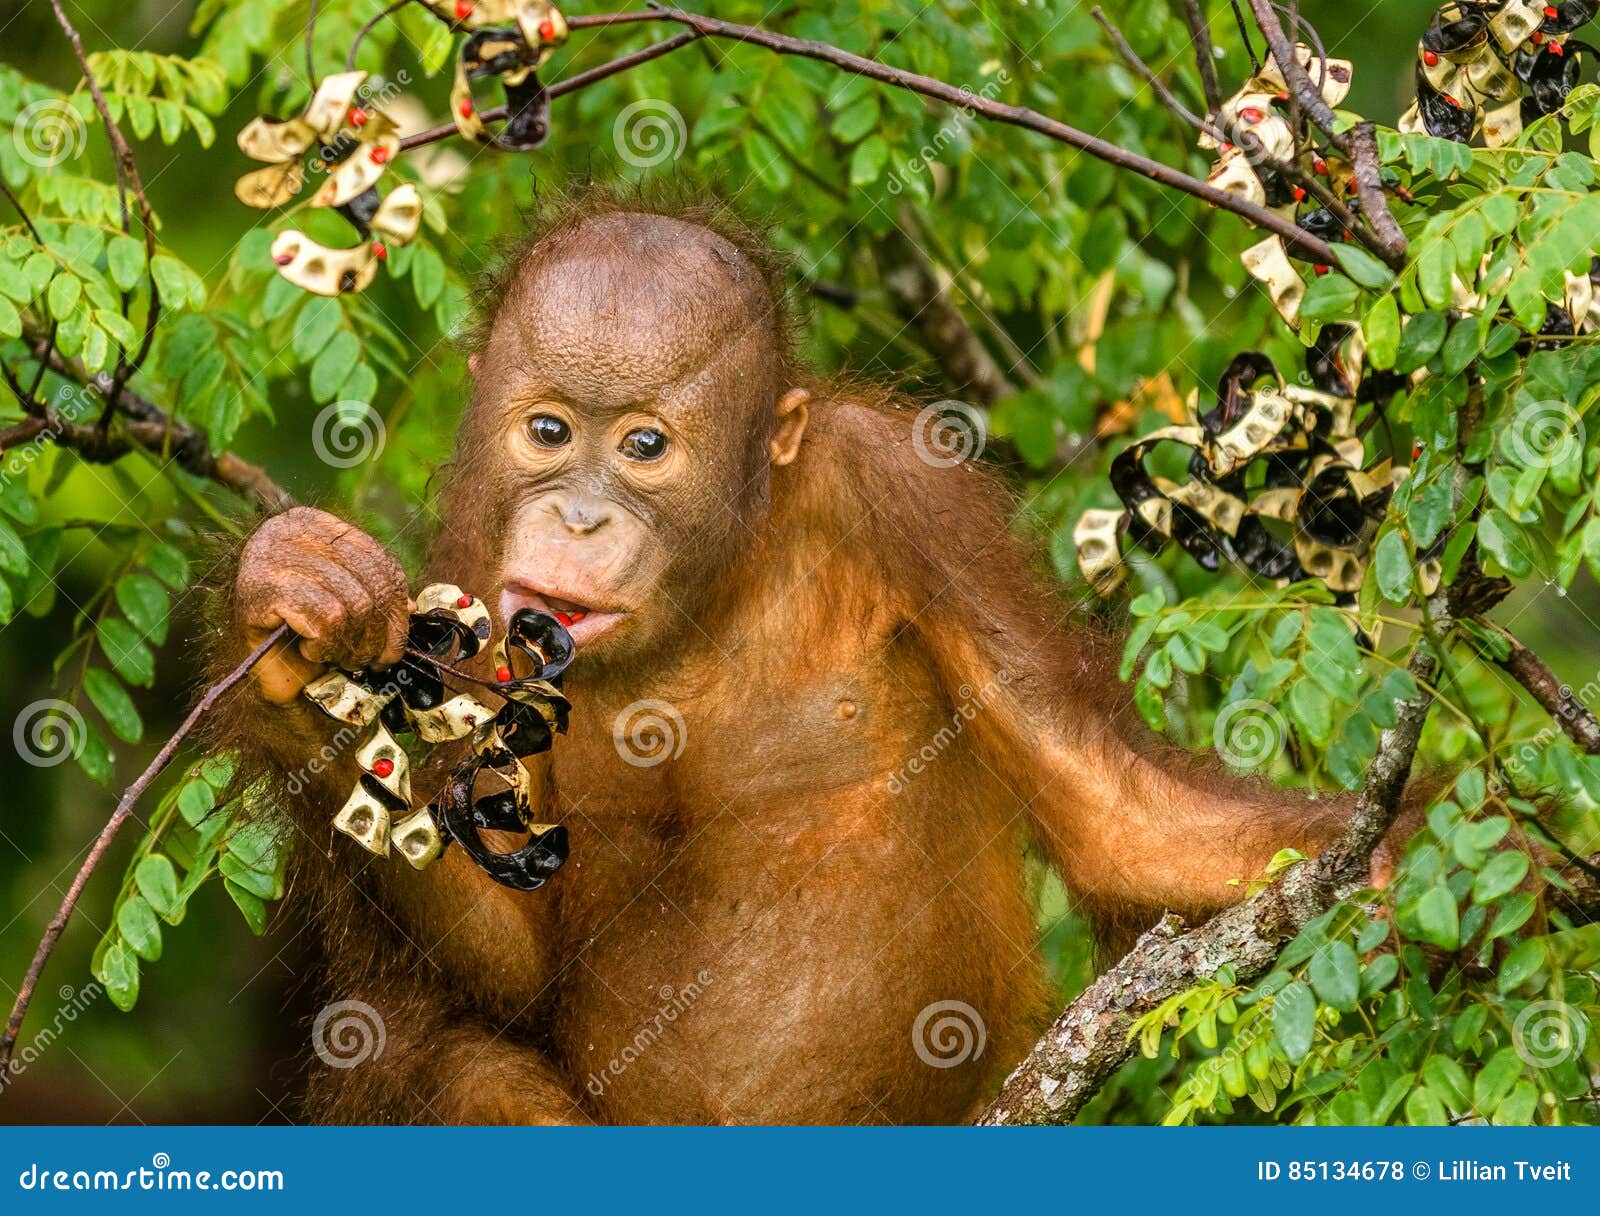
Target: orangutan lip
x,y
584,622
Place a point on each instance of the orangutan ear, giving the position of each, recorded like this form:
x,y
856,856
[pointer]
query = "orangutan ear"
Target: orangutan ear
x,y
792,417
474,362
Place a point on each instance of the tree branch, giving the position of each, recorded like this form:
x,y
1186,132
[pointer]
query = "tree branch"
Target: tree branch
x,y
1554,697
1204,58
58,922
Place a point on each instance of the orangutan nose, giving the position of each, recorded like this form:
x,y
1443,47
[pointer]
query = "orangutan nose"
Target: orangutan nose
x,y
583,514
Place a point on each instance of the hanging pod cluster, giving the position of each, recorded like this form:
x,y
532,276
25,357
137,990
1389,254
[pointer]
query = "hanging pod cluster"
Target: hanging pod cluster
x,y
355,143
409,699
1490,67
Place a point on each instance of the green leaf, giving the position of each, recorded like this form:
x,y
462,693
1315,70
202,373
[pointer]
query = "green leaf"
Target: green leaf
x,y
196,800
119,972
249,905
114,704
1423,1108
1499,876
1392,567
139,928
1363,268
1382,328
1420,340
257,882
868,160
1495,1079
1336,975
334,364
125,258
314,328
122,644
1438,920
65,293
1522,964
427,278
13,553
144,601
1505,542
158,883
1329,298
168,564
1294,1020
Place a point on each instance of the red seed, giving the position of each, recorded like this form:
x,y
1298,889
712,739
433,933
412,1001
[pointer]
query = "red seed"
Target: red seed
x,y
463,9
1452,101
503,674
380,251
1556,49
1320,165
382,768
358,117
464,602
1536,36
578,616
1551,11
547,29
1416,451
466,108
1299,194
283,259
1430,58
1319,271
563,618
380,155
1251,114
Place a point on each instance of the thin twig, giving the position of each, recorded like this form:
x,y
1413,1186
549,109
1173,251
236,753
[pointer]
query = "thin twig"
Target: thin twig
x,y
361,34
1363,147
1244,33
1204,53
131,795
1157,85
1554,697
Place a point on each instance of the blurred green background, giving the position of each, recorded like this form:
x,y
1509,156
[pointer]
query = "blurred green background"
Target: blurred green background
x,y
1082,286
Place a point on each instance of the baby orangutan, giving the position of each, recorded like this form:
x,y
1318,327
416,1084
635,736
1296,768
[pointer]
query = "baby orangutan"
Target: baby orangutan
x,y
820,705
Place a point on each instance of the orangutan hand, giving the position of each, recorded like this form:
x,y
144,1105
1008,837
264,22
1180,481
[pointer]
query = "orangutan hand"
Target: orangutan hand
x,y
333,585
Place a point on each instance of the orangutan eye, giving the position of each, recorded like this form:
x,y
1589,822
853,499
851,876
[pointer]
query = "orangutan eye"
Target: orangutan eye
x,y
548,431
644,444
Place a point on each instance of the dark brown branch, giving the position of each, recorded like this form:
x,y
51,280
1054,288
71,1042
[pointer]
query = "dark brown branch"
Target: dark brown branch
x,y
1363,147
924,305
1305,91
1089,1041
131,795
1204,58
1554,697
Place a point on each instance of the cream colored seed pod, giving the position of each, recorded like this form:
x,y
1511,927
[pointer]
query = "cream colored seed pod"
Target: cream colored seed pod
x,y
366,821
338,696
417,839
